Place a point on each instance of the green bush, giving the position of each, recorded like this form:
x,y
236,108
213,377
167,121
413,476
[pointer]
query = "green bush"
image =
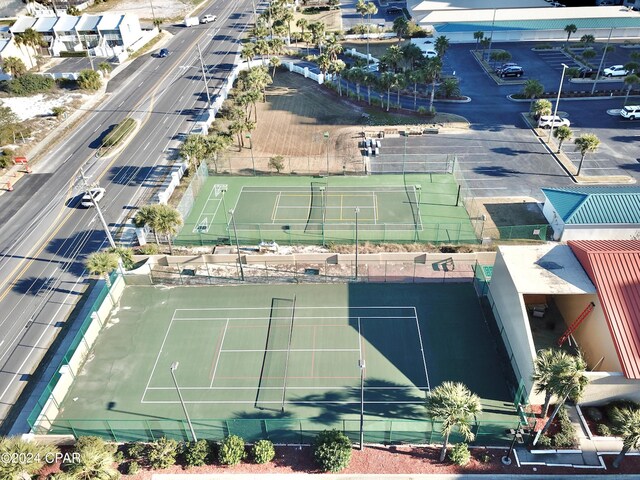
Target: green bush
x,y
135,450
132,468
231,450
195,453
545,440
149,249
121,130
263,451
332,450
125,254
58,111
89,80
604,430
119,456
162,453
29,84
459,454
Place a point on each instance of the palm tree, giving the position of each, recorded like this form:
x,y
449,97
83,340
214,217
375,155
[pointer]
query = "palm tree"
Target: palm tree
x,y
401,27
168,222
216,143
630,81
455,405
371,9
399,82
248,51
626,424
286,16
105,68
631,67
411,54
275,63
193,150
570,29
336,67
449,88
587,39
567,381
95,460
357,76
415,77
478,36
562,133
103,263
307,38
543,374
432,72
333,48
302,23
386,81
541,107
441,45
317,31
586,143
324,63
532,89
484,44
393,57
14,66
16,447
146,215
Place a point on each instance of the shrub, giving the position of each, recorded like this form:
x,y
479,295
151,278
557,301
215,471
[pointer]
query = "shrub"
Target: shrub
x,y
162,453
459,454
135,450
277,163
149,249
58,111
594,414
89,80
231,450
604,430
121,130
125,254
195,453
332,450
119,456
263,451
132,468
545,440
30,84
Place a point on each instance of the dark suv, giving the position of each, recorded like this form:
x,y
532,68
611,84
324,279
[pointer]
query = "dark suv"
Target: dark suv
x,y
394,10
505,65
587,72
512,71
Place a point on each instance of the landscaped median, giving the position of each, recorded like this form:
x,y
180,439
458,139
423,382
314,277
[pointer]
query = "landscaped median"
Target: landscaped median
x,y
117,135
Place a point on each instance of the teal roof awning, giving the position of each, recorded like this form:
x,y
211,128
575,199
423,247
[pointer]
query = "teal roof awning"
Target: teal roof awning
x,y
596,205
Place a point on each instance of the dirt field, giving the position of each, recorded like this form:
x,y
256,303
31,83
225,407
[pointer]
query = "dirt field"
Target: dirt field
x,y
332,19
165,9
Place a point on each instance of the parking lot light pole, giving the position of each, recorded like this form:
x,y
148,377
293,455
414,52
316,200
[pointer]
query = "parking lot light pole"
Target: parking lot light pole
x,y
555,110
326,137
604,54
357,210
322,189
172,369
235,234
253,162
362,366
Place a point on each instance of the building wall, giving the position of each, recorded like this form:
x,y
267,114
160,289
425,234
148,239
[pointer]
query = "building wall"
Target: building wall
x,y
25,53
554,219
605,232
130,30
593,336
605,387
536,35
510,312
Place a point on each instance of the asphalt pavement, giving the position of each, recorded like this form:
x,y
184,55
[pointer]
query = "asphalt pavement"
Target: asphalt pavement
x,y
45,236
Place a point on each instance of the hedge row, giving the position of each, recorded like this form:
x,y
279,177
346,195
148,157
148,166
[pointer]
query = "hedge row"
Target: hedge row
x,y
119,133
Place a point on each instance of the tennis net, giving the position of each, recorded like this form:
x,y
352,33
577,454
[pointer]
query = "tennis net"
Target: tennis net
x,y
316,207
413,203
272,385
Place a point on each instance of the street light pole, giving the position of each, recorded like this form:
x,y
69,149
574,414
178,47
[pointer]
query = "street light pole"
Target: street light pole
x,y
253,162
555,110
517,435
153,14
322,189
604,54
223,190
172,369
357,210
361,364
235,233
326,136
204,77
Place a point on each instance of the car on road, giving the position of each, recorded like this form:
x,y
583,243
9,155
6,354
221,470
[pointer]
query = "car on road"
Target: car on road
x,y
505,65
630,112
208,18
97,193
394,10
512,71
615,71
164,52
430,53
548,121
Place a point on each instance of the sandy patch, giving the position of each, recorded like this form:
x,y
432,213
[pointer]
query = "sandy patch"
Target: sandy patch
x,y
40,105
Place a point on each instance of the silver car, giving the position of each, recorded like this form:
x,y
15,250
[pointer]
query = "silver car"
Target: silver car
x,y
548,121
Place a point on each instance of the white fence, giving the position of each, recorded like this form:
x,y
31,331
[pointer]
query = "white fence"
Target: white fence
x,y
305,72
352,52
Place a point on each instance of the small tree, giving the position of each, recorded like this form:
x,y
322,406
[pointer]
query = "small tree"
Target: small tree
x,y
231,450
103,263
332,450
89,80
478,36
277,163
16,448
541,107
587,39
460,454
532,89
162,453
263,451
14,66
570,29
630,81
105,68
167,222
95,461
588,54
626,424
562,133
586,143
125,254
441,45
195,453
147,216
449,88
454,405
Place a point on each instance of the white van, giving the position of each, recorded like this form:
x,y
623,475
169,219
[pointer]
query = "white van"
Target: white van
x,y
630,112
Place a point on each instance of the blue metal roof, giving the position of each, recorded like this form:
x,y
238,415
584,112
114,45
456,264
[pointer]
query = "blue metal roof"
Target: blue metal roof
x,y
546,24
596,205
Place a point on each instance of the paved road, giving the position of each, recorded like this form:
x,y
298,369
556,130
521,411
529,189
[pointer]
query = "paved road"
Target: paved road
x,y
46,237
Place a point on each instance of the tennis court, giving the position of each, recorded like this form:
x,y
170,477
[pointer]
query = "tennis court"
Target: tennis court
x,y
319,210
285,361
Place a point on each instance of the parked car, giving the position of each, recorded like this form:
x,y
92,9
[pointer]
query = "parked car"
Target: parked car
x,y
208,18
97,193
505,65
615,71
548,121
630,112
587,72
394,10
430,53
164,52
512,71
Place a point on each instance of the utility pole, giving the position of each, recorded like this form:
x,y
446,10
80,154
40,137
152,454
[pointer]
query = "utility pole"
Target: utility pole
x,y
98,210
204,77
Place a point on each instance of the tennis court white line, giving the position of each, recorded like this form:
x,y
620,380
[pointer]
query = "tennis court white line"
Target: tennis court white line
x,y
234,350
372,307
202,212
166,335
288,402
276,205
333,387
191,319
372,207
215,368
424,360
344,190
375,207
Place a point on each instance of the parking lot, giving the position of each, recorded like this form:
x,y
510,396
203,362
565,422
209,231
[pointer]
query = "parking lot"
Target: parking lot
x,y
351,18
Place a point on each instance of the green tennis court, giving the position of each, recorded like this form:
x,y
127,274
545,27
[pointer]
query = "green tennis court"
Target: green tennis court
x,y
320,210
285,361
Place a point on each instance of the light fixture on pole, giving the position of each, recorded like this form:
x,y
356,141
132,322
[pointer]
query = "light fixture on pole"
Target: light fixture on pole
x,y
362,365
322,189
357,210
326,137
604,54
172,369
555,110
235,233
223,190
517,436
253,162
